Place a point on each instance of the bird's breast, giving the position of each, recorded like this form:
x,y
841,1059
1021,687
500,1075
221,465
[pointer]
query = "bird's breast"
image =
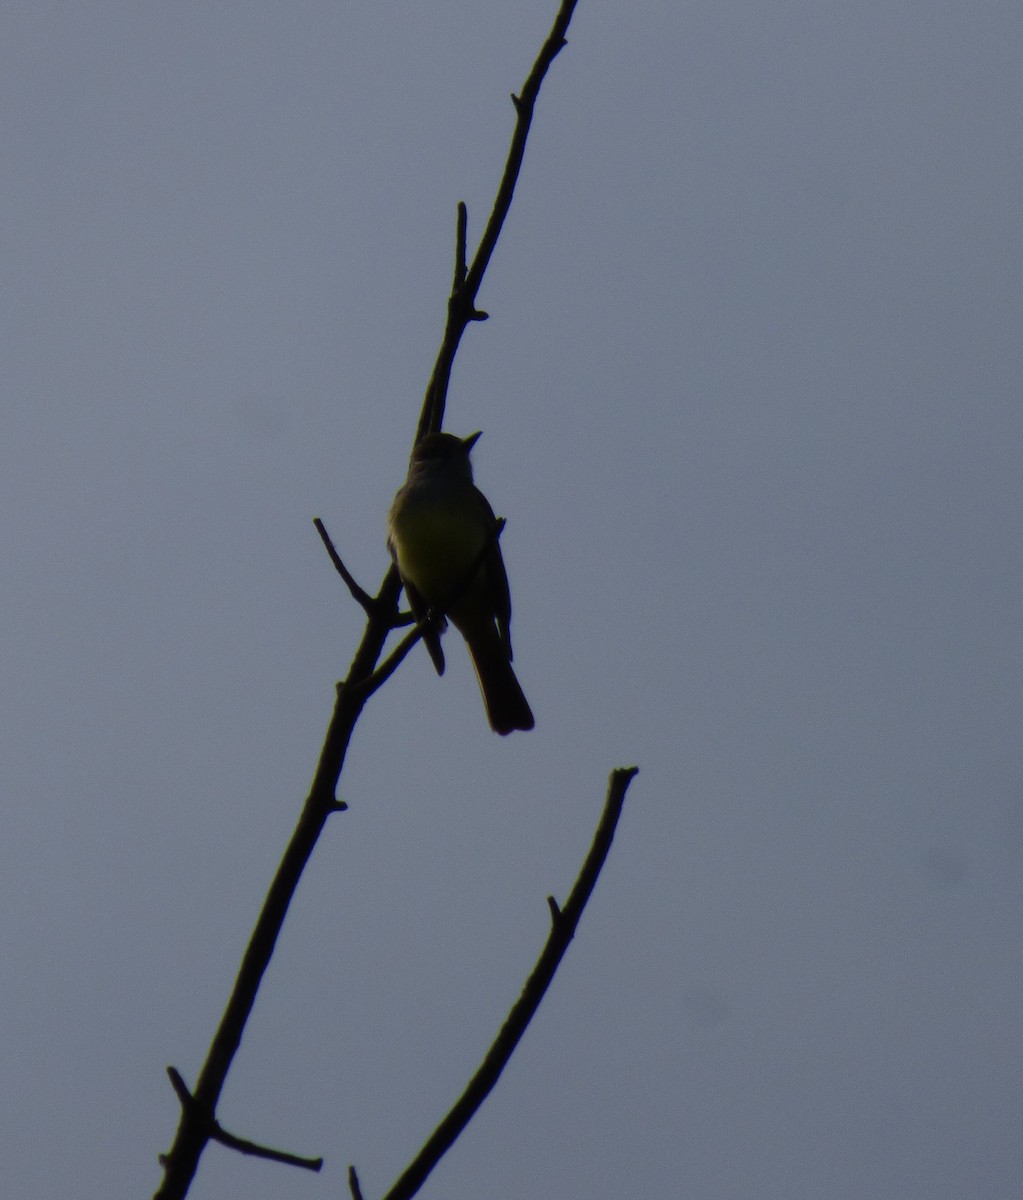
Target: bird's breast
x,y
436,537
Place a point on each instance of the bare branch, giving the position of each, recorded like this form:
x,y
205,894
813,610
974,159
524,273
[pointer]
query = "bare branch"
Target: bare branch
x,y
217,1133
184,1096
243,1146
360,596
462,302
197,1124
496,1059
461,236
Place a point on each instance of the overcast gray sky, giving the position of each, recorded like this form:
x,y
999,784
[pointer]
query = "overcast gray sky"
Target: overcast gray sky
x,y
750,395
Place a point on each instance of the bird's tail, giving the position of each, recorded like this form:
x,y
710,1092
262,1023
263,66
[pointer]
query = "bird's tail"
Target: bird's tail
x,y
505,702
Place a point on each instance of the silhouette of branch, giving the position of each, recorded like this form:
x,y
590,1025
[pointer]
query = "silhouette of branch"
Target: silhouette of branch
x,y
197,1125
353,1184
360,596
217,1133
462,308
564,922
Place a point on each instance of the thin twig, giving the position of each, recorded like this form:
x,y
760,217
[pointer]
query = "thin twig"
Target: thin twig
x,y
359,595
461,239
243,1146
563,927
217,1133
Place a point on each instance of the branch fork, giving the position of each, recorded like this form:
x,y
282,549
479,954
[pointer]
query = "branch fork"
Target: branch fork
x,y
217,1133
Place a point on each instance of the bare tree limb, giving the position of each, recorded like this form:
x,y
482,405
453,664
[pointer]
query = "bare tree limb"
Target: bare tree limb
x,y
462,302
218,1133
563,926
197,1124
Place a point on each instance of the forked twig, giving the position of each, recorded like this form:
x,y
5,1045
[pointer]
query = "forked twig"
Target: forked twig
x,y
218,1133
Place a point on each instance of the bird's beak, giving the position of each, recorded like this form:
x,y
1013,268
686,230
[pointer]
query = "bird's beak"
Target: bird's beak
x,y
471,440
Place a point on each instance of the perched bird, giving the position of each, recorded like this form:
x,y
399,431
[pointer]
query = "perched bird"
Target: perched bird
x,y
438,526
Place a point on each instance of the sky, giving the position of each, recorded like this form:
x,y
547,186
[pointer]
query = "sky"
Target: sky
x,y
750,401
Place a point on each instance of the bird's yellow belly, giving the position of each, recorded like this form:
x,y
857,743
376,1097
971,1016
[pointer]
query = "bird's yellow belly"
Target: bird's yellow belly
x,y
435,547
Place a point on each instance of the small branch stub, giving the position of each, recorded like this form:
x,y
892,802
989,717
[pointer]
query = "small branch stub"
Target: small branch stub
x,y
461,240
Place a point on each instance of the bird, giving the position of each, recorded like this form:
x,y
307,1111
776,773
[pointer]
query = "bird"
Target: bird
x,y
438,526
